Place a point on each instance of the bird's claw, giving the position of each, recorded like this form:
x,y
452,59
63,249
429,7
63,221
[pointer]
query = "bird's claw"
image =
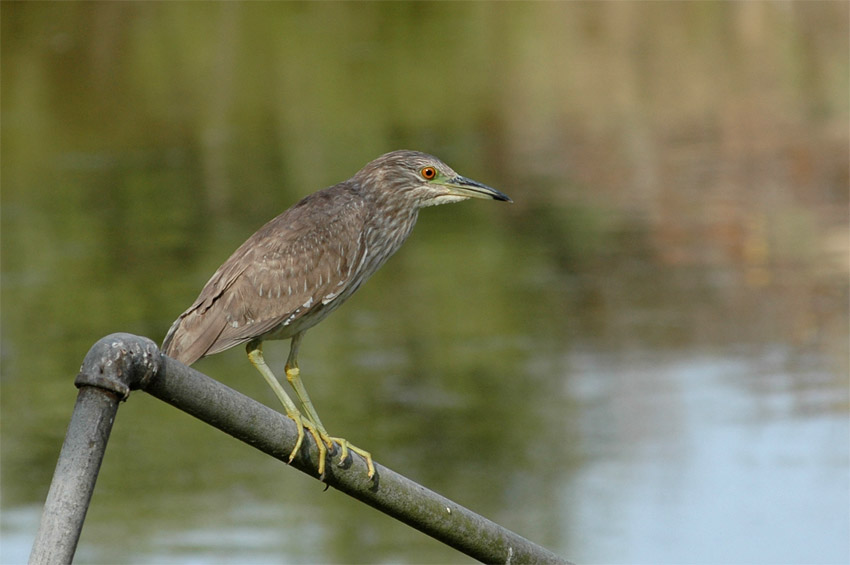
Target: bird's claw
x,y
301,424
325,443
345,447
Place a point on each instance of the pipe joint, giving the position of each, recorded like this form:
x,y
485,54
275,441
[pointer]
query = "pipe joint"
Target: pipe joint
x,y
119,363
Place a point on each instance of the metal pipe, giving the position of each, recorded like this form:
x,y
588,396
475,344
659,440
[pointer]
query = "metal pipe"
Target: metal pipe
x,y
122,362
113,366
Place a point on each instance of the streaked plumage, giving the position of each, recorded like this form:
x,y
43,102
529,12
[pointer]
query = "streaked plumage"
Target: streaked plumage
x,y
307,261
302,262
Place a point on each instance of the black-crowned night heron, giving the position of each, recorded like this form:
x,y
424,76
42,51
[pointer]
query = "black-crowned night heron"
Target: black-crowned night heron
x,y
302,265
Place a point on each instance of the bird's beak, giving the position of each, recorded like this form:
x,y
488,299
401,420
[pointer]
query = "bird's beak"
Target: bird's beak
x,y
468,188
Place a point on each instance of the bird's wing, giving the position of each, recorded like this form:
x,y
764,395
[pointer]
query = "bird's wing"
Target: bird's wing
x,y
294,265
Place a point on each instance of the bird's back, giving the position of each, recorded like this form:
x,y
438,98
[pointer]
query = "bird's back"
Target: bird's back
x,y
284,279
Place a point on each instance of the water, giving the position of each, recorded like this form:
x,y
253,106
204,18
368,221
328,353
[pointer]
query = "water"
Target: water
x,y
698,469
643,359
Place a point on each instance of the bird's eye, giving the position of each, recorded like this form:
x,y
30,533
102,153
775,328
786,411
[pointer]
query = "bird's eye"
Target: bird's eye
x,y
428,173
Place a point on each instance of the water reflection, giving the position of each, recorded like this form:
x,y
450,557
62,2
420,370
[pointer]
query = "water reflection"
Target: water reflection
x,y
697,465
644,359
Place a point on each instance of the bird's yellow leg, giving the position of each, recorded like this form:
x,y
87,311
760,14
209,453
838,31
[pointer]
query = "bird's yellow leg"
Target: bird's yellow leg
x,y
255,355
293,375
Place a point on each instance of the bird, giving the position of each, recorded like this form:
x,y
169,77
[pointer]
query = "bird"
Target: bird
x,y
303,264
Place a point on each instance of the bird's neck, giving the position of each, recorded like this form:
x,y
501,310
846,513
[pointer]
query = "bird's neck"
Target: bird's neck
x,y
386,229
390,225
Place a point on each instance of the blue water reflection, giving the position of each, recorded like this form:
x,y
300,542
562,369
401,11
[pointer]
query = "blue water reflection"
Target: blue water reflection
x,y
698,468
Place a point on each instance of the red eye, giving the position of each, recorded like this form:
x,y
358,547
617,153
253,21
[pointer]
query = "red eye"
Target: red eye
x,y
428,173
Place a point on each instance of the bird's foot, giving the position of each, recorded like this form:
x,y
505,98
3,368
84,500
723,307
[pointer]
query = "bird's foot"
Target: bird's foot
x,y
325,442
302,424
345,446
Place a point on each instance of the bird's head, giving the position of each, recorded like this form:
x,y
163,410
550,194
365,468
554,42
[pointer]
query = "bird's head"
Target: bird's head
x,y
420,180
